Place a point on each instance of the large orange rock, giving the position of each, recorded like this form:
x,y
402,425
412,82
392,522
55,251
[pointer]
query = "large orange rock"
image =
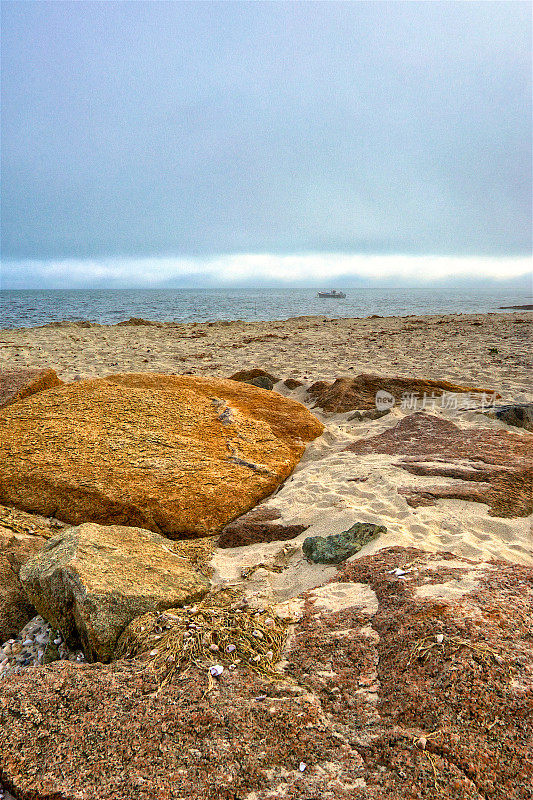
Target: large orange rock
x,y
16,384
179,455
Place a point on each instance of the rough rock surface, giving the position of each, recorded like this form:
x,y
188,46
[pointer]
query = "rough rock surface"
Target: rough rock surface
x,y
180,455
347,394
520,415
89,582
258,525
15,608
17,384
408,676
292,383
493,467
248,375
340,546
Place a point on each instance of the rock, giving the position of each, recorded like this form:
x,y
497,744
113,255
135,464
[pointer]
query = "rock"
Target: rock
x,y
292,383
494,467
262,382
21,522
15,609
251,375
137,321
371,414
258,525
179,455
36,644
347,394
89,582
340,546
407,676
520,415
16,384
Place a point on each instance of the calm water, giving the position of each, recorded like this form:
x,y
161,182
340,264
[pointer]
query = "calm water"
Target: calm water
x,y
24,308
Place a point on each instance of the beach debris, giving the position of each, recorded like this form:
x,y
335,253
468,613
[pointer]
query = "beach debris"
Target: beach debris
x,y
252,638
338,547
216,670
37,643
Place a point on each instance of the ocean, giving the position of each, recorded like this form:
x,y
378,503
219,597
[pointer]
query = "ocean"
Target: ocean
x,y
28,307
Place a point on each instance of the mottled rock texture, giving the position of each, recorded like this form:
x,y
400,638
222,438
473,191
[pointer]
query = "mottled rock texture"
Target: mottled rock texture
x,y
347,394
89,582
493,467
15,608
340,546
258,525
519,415
17,384
179,455
423,692
252,375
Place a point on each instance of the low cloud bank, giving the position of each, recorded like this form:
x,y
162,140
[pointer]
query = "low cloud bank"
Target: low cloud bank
x,y
262,269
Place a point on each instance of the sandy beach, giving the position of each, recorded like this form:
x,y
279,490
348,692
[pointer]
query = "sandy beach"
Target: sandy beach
x,y
474,349
330,489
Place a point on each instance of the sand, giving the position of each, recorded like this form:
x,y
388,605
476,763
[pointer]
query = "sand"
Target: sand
x,y
451,347
489,350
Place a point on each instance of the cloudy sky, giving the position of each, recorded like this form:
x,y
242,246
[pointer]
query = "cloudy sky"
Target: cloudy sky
x,y
187,142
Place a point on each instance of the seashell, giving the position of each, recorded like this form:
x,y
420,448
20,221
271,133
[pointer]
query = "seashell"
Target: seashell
x,y
230,648
302,766
440,638
216,670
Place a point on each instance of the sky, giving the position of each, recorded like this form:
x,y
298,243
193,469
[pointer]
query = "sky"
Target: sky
x,y
191,143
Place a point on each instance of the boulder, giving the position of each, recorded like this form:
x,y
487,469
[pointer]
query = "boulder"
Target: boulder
x,y
340,546
15,608
406,676
16,384
292,384
520,415
251,376
347,394
89,582
179,455
137,321
262,383
258,525
493,467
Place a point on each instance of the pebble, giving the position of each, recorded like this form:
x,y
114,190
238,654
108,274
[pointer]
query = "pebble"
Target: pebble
x,y
30,647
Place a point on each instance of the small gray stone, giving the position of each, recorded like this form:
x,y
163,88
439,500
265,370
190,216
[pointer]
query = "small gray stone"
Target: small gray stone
x,y
340,546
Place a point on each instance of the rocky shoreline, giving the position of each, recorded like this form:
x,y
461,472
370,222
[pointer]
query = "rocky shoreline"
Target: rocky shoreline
x,y
260,586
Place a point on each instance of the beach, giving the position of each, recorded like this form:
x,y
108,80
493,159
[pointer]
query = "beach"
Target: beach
x,y
491,349
328,492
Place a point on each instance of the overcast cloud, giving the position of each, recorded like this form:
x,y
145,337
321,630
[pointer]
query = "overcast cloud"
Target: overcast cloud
x,y
226,139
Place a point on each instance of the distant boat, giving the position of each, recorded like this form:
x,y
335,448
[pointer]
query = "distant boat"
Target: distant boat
x,y
333,293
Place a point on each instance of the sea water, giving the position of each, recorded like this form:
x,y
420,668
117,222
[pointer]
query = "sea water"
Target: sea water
x,y
28,307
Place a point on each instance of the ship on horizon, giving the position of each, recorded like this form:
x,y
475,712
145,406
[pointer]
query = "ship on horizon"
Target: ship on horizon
x,y
333,293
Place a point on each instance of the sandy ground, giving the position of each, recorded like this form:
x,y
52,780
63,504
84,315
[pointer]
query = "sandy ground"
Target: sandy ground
x,y
453,347
491,351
